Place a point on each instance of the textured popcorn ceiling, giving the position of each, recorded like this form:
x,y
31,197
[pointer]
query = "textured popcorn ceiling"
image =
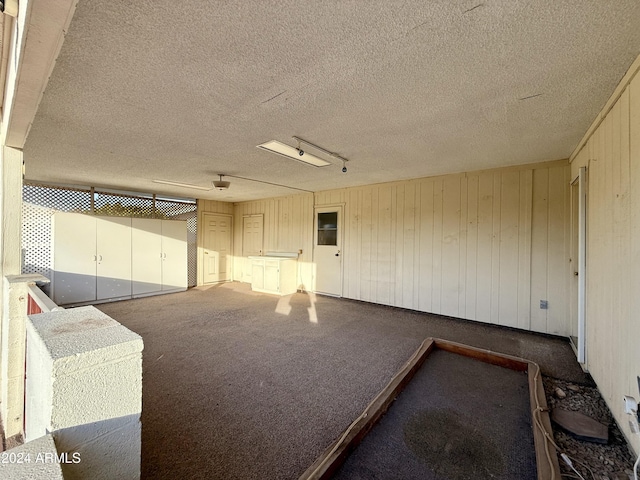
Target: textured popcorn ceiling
x,y
181,91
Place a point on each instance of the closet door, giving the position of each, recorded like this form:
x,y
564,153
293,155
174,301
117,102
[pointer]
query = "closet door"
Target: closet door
x,y
74,258
113,257
174,255
146,259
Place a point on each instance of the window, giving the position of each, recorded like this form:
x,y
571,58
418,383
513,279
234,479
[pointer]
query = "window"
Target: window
x,y
328,228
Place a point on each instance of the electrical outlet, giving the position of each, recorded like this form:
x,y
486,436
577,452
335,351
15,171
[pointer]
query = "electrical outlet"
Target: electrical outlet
x,y
544,304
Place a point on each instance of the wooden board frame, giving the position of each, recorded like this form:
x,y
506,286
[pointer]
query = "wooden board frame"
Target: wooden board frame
x,y
546,458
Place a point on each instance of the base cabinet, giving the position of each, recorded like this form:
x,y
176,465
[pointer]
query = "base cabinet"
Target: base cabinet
x,y
274,275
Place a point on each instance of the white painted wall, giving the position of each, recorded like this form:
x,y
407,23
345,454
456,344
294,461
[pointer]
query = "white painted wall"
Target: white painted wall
x,y
485,246
288,227
611,153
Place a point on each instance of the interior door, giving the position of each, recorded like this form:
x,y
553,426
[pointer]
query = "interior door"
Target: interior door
x,y
216,248
113,257
579,263
252,238
327,251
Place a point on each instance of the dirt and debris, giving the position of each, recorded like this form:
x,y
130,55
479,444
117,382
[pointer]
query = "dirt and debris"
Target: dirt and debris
x,y
613,461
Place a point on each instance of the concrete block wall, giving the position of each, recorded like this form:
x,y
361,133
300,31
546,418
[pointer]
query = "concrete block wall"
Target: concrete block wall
x,y
37,460
15,292
84,385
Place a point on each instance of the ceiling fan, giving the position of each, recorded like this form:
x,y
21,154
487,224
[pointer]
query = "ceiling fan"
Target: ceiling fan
x,y
221,184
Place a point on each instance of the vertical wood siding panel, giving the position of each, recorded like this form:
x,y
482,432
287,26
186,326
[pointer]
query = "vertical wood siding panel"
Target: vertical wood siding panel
x,y
558,259
495,250
396,244
367,245
450,272
375,245
508,245
349,247
406,261
524,250
462,248
397,250
472,248
416,246
359,199
426,245
436,280
383,274
484,251
539,247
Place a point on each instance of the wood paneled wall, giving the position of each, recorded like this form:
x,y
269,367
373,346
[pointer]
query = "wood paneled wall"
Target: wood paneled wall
x,y
485,246
612,158
288,227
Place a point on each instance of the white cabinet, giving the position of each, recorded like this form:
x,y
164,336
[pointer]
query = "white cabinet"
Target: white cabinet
x,y
159,251
91,258
274,275
108,258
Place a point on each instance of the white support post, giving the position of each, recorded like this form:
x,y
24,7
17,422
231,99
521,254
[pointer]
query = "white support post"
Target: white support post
x,y
13,309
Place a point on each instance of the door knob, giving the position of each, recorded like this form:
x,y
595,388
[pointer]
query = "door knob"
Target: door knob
x,y
338,254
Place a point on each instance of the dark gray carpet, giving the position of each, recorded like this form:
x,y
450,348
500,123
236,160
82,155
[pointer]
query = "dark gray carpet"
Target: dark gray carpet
x,y
458,419
241,385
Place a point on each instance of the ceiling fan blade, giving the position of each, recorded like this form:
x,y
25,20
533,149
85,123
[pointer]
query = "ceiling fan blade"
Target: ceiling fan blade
x,y
185,185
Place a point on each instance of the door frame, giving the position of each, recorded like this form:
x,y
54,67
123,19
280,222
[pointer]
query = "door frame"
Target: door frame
x,y
581,181
201,224
244,258
339,207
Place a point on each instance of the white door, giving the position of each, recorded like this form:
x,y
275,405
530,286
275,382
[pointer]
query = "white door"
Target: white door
x,y
217,248
146,251
174,254
327,251
74,258
113,257
578,263
252,238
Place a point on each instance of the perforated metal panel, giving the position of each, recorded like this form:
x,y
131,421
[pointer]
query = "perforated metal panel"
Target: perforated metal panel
x,y
40,202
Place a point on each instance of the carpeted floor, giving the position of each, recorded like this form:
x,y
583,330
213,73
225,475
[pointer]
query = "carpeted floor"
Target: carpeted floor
x,y
242,385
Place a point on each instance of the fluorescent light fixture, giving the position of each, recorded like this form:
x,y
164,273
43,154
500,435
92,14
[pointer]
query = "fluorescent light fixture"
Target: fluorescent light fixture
x,y
295,153
178,184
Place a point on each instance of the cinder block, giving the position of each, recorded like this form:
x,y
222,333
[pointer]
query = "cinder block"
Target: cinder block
x,y
35,460
88,370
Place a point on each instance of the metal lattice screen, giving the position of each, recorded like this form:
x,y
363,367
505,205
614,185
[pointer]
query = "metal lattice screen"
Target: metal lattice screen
x,y
40,202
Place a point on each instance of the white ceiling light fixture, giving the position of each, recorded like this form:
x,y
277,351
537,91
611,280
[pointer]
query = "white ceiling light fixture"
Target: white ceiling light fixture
x,y
221,184
294,153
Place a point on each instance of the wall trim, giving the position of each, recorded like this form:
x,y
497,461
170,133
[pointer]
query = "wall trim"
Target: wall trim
x,y
615,96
